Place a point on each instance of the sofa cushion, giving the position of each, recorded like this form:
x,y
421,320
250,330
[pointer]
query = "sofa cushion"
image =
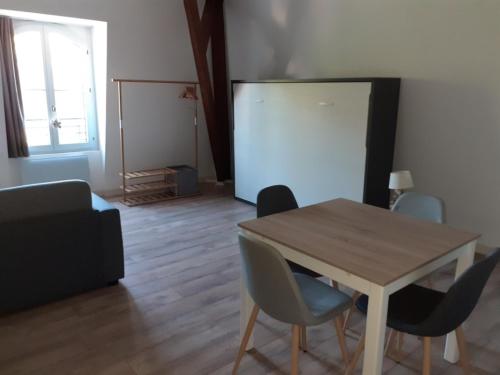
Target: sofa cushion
x,y
28,201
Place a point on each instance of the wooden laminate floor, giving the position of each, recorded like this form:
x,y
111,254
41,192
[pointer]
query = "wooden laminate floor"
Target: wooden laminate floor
x,y
177,310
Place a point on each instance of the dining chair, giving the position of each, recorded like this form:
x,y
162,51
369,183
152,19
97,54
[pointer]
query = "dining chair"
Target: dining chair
x,y
421,206
424,207
293,298
428,313
273,200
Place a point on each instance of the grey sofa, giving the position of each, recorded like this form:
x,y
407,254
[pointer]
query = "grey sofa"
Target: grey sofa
x,y
56,239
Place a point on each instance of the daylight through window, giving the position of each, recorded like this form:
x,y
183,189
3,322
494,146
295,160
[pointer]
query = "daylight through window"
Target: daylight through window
x,y
57,85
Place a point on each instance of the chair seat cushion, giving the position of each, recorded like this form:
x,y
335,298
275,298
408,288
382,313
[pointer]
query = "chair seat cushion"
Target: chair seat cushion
x,y
408,308
323,301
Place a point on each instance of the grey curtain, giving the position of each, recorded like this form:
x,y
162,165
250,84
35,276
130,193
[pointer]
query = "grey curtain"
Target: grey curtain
x,y
11,86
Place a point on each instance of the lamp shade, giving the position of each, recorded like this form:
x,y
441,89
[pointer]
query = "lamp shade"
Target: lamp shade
x,y
400,180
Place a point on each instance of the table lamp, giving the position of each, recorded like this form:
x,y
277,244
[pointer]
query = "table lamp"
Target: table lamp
x,y
399,182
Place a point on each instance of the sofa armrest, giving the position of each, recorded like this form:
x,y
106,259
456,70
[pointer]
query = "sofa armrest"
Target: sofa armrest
x,y
111,239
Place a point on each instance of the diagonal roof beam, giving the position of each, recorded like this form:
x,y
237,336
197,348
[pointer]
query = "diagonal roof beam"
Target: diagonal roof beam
x,y
214,97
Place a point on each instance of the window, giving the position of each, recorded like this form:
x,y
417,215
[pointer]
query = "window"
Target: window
x,y
57,86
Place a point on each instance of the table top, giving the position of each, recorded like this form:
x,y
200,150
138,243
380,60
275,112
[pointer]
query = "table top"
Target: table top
x,y
370,242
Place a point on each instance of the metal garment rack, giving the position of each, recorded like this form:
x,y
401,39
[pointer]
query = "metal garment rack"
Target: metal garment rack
x,y
156,185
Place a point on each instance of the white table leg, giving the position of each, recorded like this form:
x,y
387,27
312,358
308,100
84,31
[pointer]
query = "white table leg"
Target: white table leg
x,y
375,330
246,306
466,260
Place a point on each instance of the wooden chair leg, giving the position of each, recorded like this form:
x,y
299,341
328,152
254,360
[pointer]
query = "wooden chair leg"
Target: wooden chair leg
x,y
357,354
341,337
401,340
355,296
426,368
246,337
303,338
295,349
390,340
462,348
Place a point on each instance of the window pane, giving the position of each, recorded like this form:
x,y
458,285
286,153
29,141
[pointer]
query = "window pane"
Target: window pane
x,y
32,75
70,104
63,97
73,132
30,60
69,62
35,104
37,132
70,71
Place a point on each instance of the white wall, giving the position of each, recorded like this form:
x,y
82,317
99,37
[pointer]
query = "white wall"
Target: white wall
x,y
146,39
447,53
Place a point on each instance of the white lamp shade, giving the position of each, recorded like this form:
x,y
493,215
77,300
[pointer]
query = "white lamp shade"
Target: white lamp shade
x,y
400,180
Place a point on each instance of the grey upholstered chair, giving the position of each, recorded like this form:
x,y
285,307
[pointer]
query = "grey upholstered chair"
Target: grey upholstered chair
x,y
428,313
424,207
273,200
420,206
297,299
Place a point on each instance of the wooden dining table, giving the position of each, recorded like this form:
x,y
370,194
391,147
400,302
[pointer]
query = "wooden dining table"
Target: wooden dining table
x,y
369,249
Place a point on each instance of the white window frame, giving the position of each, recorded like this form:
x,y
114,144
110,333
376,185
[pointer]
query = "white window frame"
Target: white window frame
x,y
83,35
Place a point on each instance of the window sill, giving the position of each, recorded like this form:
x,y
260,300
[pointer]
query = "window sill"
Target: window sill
x,y
55,155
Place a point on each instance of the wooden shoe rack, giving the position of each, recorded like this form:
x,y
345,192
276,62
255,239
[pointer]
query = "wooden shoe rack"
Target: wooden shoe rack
x,y
149,186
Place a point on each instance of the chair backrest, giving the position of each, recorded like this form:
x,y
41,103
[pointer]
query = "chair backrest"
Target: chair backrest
x,y
275,199
271,283
420,206
461,298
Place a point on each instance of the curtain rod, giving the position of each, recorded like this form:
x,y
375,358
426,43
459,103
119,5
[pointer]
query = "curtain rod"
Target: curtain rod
x,y
124,80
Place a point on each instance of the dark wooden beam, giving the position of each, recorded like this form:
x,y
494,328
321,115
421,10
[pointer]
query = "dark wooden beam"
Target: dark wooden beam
x,y
207,21
214,98
220,82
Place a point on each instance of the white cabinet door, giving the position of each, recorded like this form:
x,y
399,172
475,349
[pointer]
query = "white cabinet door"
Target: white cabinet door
x,y
309,136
